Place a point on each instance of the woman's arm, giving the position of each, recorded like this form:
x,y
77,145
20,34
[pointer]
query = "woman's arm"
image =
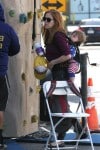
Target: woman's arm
x,y
61,59
60,41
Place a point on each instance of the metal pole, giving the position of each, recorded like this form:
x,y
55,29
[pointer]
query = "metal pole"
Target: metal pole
x,y
84,78
83,59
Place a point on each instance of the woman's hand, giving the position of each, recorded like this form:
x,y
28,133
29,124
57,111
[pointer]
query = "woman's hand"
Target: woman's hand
x,y
61,59
51,64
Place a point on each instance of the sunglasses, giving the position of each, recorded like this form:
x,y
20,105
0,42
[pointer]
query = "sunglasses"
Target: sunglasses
x,y
47,19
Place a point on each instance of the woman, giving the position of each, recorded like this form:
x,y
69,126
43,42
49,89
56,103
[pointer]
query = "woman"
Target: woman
x,y
57,53
57,47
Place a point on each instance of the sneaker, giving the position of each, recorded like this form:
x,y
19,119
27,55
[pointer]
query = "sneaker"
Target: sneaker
x,y
60,144
84,136
3,146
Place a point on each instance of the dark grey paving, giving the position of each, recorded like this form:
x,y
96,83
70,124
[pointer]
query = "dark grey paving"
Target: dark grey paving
x,y
39,146
32,146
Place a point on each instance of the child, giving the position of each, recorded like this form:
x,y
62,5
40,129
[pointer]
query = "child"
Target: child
x,y
77,37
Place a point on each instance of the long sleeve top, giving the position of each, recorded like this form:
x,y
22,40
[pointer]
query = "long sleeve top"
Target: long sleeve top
x,y
58,47
9,43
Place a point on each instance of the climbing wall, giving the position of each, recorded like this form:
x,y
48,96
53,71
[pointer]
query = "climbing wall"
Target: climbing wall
x,y
22,112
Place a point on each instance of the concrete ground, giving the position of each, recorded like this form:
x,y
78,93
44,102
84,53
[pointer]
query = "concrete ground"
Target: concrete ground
x,y
39,146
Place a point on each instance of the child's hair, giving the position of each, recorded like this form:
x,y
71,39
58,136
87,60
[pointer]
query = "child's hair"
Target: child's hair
x,y
81,36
